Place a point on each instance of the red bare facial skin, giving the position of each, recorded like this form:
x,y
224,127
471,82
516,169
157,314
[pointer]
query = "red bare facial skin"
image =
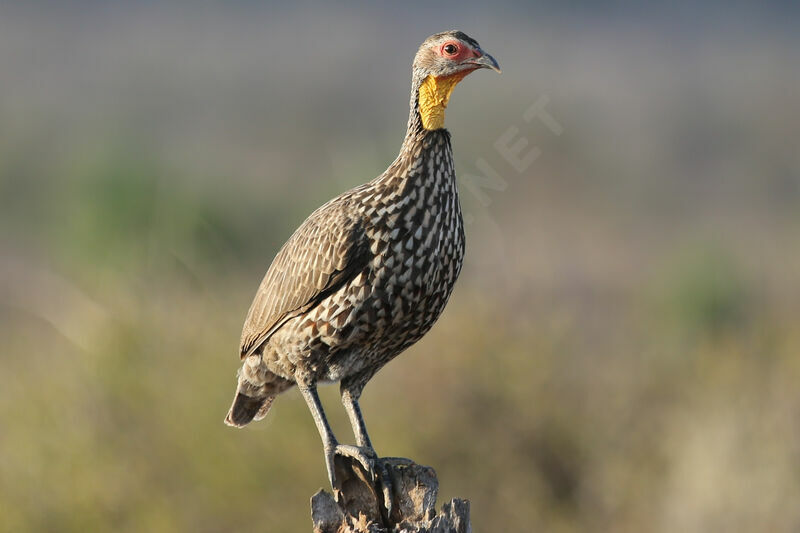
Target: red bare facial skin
x,y
463,52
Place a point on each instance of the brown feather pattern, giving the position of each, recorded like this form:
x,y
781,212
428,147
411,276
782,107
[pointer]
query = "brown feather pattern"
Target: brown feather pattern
x,y
365,276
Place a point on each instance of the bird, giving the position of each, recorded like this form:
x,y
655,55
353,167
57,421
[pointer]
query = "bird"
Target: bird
x,y
367,274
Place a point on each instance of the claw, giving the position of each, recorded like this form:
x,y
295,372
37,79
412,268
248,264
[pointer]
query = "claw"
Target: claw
x,y
376,469
366,456
330,452
386,488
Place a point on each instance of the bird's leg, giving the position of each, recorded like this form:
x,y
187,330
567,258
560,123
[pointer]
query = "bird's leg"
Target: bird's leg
x,y
351,392
329,442
350,397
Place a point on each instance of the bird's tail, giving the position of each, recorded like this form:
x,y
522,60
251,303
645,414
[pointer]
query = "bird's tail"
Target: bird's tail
x,y
245,409
255,391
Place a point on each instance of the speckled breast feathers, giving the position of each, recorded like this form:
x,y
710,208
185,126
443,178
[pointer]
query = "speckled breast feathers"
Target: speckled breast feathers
x,y
366,275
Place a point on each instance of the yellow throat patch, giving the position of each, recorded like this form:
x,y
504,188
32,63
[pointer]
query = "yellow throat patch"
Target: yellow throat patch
x,y
434,93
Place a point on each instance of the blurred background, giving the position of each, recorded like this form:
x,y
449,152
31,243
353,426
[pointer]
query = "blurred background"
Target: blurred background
x,y
621,352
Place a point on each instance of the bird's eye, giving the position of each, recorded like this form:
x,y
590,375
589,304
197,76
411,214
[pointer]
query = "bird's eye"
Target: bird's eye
x,y
450,49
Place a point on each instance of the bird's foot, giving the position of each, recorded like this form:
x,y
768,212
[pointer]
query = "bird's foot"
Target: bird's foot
x,y
375,470
330,453
365,456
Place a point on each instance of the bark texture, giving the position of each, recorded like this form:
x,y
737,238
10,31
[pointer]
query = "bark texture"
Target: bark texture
x,y
400,499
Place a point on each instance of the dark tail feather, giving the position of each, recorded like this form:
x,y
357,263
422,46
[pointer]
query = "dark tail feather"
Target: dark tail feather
x,y
246,408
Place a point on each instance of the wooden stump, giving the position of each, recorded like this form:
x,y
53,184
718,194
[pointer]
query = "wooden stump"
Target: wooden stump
x,y
401,500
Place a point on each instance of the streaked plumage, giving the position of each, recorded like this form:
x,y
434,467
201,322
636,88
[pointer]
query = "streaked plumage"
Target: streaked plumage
x,y
368,273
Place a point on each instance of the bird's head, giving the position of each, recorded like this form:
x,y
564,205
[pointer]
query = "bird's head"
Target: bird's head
x,y
441,62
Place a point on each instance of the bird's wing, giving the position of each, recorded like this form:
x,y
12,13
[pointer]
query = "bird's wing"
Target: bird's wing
x,y
326,251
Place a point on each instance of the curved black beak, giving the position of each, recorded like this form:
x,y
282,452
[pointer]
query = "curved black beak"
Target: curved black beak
x,y
485,61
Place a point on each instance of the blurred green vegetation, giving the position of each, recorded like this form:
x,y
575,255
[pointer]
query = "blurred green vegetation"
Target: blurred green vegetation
x,y
704,293
621,353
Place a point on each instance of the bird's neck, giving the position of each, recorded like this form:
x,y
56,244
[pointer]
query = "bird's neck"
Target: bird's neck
x,y
429,98
412,167
425,127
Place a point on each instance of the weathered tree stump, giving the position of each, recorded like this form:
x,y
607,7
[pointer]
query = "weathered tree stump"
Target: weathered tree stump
x,y
401,500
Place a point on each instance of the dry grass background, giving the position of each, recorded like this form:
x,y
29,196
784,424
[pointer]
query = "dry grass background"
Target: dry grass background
x,y
621,353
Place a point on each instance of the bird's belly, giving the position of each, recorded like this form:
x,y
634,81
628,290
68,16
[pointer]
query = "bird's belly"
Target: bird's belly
x,y
370,319
408,300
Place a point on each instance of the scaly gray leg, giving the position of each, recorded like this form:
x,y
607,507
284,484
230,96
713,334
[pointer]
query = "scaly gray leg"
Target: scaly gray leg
x,y
329,442
350,390
350,402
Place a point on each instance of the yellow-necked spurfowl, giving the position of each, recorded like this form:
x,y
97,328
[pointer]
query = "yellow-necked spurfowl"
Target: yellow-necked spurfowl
x,y
368,273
